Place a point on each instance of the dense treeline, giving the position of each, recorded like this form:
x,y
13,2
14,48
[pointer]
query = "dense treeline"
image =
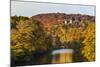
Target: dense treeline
x,y
29,36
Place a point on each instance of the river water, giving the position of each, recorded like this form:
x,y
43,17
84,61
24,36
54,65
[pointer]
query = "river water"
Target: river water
x,y
54,57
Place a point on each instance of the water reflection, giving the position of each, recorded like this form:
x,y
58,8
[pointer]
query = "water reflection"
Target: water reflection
x,y
55,56
48,57
62,56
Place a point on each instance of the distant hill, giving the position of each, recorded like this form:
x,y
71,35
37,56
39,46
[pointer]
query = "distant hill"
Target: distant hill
x,y
56,18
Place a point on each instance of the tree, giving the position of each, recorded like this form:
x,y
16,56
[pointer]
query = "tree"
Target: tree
x,y
15,19
88,49
27,38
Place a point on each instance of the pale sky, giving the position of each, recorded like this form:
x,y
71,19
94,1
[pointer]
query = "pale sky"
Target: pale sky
x,y
20,8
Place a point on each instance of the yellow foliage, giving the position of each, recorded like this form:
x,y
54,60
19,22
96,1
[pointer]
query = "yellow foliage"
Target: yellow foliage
x,y
88,50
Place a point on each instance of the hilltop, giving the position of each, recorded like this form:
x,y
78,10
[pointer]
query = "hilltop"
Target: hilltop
x,y
54,18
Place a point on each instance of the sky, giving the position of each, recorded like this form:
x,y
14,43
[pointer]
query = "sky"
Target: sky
x,y
29,9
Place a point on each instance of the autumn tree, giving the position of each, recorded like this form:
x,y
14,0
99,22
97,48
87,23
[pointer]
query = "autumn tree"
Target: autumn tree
x,y
27,38
88,50
15,19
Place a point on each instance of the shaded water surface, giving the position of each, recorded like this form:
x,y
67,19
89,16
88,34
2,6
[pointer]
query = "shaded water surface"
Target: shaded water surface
x,y
49,57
